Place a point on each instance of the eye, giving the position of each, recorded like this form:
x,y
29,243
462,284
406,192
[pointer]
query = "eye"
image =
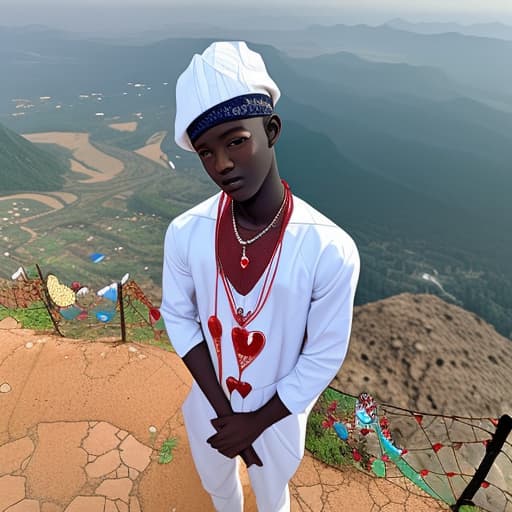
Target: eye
x,y
204,153
238,141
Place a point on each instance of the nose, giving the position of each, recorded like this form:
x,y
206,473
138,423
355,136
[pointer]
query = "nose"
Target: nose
x,y
223,162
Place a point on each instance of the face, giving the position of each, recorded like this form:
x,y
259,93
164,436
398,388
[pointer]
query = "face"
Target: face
x,y
238,156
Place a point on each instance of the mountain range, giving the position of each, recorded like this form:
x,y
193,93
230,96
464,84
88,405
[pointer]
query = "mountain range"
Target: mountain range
x,y
395,152
493,30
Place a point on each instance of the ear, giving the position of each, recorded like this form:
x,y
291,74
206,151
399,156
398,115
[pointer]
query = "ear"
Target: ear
x,y
273,129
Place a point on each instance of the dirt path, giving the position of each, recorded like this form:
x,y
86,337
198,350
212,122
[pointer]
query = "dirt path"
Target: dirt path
x,y
94,176
31,232
152,149
124,127
48,200
91,159
67,197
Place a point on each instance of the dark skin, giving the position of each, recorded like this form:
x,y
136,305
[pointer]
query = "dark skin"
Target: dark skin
x,y
239,157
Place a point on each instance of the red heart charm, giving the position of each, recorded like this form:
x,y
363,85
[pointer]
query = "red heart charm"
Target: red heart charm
x,y
244,388
215,327
154,315
247,344
244,262
231,383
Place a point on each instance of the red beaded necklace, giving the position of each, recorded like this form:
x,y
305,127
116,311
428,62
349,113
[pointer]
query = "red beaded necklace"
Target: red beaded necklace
x,y
247,344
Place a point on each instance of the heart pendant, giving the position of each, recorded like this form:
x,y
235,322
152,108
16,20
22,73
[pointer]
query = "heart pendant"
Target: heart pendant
x,y
247,344
244,388
231,383
215,327
244,262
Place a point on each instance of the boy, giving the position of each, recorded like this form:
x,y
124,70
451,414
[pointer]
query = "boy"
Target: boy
x,y
258,286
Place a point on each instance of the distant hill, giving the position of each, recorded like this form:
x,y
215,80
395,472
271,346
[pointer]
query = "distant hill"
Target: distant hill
x,y
493,30
377,79
480,66
24,166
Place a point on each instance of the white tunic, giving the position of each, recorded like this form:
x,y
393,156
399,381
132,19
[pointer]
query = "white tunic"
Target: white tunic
x,y
306,319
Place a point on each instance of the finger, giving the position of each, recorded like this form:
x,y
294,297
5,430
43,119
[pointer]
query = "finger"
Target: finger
x,y
218,423
230,449
256,461
225,445
219,439
230,454
254,456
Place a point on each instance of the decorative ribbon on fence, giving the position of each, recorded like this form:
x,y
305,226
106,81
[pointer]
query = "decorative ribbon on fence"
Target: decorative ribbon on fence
x,y
460,461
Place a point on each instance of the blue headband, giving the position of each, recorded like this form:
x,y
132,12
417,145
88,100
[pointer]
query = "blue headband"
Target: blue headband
x,y
240,107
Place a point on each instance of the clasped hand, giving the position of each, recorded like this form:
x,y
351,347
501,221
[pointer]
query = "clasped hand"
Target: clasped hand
x,y
236,432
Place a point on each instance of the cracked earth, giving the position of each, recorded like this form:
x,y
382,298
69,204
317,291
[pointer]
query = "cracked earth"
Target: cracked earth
x,y
82,423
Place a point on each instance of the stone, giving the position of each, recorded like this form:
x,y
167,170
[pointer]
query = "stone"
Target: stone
x,y
114,489
101,439
104,464
121,506
87,504
122,472
12,455
133,473
110,506
5,387
9,323
135,454
12,490
25,506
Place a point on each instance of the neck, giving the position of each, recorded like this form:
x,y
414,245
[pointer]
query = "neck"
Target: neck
x,y
259,210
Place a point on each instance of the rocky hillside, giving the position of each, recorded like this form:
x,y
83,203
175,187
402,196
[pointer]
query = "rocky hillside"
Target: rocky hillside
x,y
420,352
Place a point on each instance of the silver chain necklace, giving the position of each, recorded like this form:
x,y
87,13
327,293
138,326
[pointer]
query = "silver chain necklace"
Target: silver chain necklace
x,y
244,260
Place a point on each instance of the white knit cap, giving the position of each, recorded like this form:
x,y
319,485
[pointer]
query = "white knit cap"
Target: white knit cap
x,y
224,71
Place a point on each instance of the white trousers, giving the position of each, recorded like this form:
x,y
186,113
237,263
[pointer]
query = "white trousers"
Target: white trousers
x,y
219,474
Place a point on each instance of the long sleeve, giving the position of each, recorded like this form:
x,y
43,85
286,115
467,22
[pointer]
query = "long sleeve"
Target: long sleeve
x,y
179,308
328,326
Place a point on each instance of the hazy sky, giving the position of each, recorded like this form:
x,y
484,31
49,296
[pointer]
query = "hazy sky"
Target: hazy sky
x,y
87,15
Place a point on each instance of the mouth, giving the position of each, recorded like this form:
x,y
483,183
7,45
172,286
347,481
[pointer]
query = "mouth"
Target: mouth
x,y
232,184
230,181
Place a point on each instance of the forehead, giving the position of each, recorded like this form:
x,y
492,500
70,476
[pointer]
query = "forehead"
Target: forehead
x,y
217,133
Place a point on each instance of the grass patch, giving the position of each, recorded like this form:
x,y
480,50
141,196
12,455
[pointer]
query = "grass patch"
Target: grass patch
x,y
323,442
35,317
166,451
